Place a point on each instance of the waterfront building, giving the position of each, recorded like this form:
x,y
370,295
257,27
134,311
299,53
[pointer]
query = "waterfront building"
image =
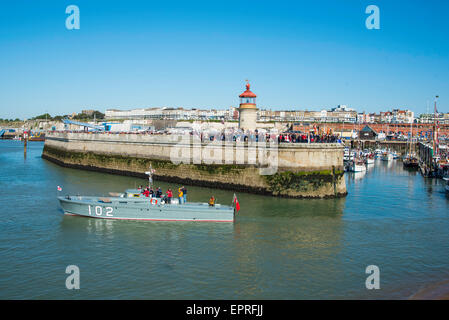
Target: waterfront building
x,y
385,117
397,116
430,118
402,116
87,112
264,116
367,133
342,108
169,113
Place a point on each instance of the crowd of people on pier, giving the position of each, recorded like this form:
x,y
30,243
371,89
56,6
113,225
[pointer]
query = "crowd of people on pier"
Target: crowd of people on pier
x,y
315,136
237,135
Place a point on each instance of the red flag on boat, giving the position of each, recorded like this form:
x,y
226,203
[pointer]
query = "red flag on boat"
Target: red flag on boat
x,y
59,188
236,203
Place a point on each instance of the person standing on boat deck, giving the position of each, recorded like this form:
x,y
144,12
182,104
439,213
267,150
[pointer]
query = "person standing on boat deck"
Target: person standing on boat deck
x,y
151,192
146,192
159,192
169,195
212,201
184,194
180,195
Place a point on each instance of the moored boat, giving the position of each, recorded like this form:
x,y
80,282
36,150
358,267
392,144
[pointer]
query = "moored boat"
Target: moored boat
x,y
357,166
386,156
39,136
348,155
370,158
410,161
377,153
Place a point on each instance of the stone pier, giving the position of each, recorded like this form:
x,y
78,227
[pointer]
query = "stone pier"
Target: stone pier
x,y
286,170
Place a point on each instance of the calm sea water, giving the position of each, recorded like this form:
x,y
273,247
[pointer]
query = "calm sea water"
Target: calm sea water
x,y
276,249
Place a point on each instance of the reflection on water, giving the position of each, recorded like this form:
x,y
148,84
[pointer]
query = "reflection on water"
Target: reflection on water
x,y
276,248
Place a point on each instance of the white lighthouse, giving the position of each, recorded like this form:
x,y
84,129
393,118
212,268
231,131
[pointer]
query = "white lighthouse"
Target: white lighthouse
x,y
248,110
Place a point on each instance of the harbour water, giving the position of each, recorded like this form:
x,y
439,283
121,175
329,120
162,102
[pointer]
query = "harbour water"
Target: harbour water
x,y
276,248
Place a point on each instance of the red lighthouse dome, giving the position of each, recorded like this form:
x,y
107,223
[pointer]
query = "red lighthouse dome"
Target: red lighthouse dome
x,y
248,96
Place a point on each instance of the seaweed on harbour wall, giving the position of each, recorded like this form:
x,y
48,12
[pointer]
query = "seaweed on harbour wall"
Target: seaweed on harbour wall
x,y
99,159
302,181
218,168
162,164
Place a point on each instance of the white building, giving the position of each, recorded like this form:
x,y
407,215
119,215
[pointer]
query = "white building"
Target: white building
x,y
168,113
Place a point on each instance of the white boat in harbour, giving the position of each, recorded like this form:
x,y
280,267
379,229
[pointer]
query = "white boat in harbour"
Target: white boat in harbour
x,y
378,153
386,156
348,155
357,166
369,157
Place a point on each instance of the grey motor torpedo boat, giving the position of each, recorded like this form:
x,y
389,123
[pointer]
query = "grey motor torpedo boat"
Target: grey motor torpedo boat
x,y
133,205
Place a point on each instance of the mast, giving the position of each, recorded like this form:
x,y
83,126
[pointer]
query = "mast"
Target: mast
x,y
435,126
150,176
410,140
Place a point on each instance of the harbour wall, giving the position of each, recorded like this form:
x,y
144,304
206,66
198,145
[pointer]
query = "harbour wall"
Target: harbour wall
x,y
286,170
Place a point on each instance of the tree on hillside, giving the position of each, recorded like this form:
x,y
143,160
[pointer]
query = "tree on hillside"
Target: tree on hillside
x,y
43,116
99,115
83,116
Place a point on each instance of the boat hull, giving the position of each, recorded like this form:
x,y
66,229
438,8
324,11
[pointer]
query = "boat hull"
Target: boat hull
x,y
357,168
130,209
411,164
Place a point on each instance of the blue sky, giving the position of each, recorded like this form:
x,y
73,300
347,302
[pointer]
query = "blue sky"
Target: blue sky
x,y
296,54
